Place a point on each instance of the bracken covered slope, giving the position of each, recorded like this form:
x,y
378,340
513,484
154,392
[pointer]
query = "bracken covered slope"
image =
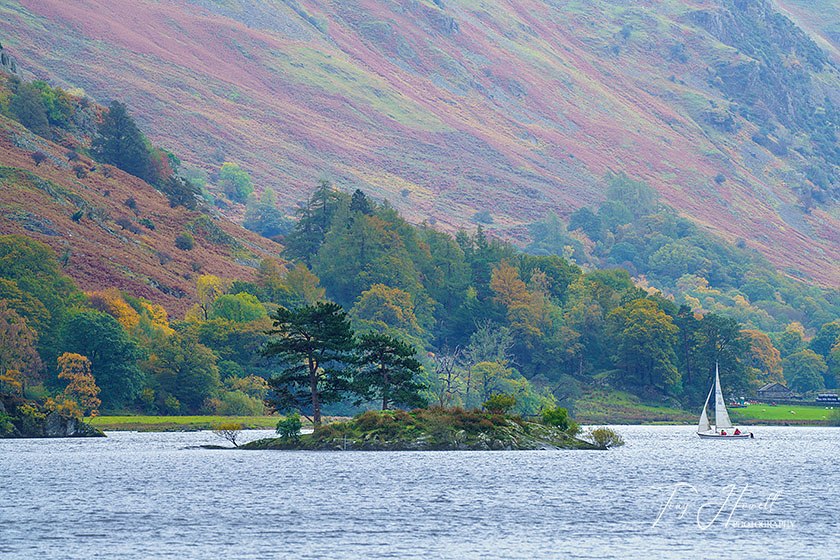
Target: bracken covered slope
x,y
453,106
100,241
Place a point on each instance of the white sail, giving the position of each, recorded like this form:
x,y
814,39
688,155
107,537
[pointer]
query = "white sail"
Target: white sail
x,y
721,416
704,426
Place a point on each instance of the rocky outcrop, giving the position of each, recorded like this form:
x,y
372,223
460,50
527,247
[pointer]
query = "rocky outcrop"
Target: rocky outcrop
x,y
8,64
20,418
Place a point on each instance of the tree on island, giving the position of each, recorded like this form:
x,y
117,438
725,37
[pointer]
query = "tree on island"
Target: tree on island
x,y
387,371
315,347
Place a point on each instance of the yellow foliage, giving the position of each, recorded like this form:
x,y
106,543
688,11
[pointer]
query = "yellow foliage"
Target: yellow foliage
x,y
81,388
110,301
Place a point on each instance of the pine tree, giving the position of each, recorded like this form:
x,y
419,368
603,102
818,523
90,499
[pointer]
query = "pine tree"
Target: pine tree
x,y
314,345
120,142
388,370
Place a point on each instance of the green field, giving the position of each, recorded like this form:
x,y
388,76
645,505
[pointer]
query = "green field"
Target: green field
x,y
619,407
179,423
792,414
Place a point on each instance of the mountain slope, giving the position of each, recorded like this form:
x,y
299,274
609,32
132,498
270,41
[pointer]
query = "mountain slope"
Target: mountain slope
x,y
452,107
79,209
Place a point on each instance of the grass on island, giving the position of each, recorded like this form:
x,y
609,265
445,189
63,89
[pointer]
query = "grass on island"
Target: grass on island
x,y
433,428
782,413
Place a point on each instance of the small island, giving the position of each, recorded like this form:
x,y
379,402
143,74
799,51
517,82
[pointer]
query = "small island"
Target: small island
x,y
429,429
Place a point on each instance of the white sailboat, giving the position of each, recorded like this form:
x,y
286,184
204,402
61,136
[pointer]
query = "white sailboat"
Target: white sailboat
x,y
723,425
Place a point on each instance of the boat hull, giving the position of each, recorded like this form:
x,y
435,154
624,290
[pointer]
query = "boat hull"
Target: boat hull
x,y
712,435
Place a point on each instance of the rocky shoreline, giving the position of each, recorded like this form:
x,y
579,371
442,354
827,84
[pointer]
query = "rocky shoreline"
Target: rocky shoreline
x,y
21,418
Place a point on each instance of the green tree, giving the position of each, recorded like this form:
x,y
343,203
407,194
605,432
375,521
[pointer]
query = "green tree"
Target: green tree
x,y
113,355
826,339
239,308
645,336
315,347
388,370
36,288
804,371
235,182
360,203
315,218
183,369
28,107
585,219
120,143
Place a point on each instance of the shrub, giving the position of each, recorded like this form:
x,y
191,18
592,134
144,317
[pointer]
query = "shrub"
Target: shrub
x,y
557,417
500,404
605,438
77,215
125,223
148,224
39,158
131,203
185,241
237,403
171,405
72,155
720,178
80,171
483,217
229,431
289,428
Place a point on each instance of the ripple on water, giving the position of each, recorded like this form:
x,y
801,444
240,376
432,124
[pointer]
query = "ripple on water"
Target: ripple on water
x,y
155,496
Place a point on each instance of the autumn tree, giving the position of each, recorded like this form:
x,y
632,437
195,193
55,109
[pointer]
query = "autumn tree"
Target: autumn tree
x,y
314,345
304,286
111,301
19,359
388,371
239,308
81,386
764,358
386,310
645,337
32,282
208,289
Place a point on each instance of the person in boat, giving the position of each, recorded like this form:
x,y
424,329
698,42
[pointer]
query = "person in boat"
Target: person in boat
x,y
723,432
737,432
752,436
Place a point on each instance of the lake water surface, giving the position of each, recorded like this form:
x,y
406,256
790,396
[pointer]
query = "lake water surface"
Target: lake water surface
x,y
663,495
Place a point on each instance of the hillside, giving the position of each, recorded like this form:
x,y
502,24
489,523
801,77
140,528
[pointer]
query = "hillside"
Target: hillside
x,y
450,107
100,241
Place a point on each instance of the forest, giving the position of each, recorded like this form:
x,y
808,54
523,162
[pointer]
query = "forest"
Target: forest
x,y
628,295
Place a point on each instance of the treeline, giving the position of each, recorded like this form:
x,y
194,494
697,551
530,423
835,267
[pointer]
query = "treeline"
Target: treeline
x,y
480,318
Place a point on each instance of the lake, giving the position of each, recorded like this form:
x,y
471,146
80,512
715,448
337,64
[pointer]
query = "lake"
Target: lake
x,y
666,494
